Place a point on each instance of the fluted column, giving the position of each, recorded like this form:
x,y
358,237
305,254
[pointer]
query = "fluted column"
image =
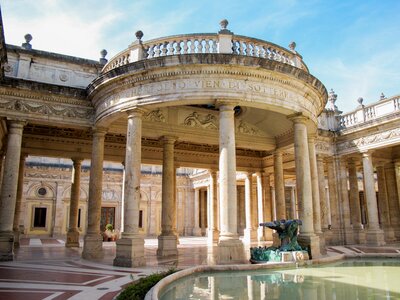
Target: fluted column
x,y
213,233
260,207
230,247
383,205
335,237
18,203
279,186
314,186
374,234
9,187
344,195
393,199
93,241
196,227
354,199
73,233
267,205
167,241
307,236
130,247
322,194
250,209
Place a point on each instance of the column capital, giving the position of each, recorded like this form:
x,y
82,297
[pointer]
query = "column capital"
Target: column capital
x,y
320,157
367,153
298,118
212,172
225,105
16,126
135,112
76,160
168,139
99,131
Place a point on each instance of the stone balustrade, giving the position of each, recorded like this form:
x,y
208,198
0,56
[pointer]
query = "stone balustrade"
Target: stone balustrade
x,y
205,44
370,112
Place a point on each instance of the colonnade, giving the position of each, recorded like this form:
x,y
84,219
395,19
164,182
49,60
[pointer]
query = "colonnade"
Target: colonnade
x,y
336,218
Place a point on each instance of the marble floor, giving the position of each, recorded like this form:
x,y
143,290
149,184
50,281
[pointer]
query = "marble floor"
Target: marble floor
x,y
44,269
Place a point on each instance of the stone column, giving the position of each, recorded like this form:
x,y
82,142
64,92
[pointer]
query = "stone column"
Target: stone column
x,y
267,204
354,200
196,228
307,237
393,198
203,212
279,186
322,195
130,247
167,241
18,202
315,186
213,233
260,207
93,241
293,209
335,237
249,232
229,246
344,195
374,234
73,233
9,187
383,205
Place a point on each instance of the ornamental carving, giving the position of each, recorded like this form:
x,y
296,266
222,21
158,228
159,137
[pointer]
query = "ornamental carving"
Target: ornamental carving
x,y
246,128
195,120
46,109
155,116
370,140
322,147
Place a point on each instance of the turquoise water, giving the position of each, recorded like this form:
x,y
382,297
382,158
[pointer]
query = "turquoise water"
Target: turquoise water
x,y
352,279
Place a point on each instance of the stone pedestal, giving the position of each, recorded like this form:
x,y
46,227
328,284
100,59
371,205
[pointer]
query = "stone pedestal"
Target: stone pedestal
x,y
167,245
360,236
72,238
130,252
375,237
93,246
6,246
230,252
322,243
311,242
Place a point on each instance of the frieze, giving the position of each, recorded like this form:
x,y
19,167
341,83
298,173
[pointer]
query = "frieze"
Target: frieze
x,y
246,128
370,140
155,116
323,147
203,121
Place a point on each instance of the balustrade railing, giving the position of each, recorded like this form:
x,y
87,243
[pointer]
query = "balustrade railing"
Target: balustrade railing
x,y
370,112
205,43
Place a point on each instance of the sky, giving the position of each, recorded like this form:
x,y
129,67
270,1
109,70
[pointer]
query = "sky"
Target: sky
x,y
352,46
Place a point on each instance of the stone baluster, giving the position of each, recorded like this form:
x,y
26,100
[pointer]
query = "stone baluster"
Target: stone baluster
x,y
9,188
167,241
18,203
93,241
229,246
354,200
374,234
73,233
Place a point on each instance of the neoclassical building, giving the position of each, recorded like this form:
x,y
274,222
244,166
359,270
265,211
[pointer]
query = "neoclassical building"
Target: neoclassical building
x,y
201,134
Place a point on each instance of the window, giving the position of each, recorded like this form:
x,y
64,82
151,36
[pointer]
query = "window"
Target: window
x,y
140,218
39,219
79,218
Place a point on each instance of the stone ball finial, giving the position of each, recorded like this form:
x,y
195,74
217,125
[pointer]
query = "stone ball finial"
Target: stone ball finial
x,y
103,60
360,100
224,24
292,46
139,34
28,38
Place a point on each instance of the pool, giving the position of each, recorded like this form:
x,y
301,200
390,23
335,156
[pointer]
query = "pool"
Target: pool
x,y
349,279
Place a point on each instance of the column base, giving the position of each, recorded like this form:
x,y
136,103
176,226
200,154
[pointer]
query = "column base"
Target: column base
x,y
260,234
396,230
93,247
349,236
359,235
16,238
6,246
389,234
334,237
250,236
197,231
167,245
311,241
230,251
212,236
130,252
322,245
72,239
375,237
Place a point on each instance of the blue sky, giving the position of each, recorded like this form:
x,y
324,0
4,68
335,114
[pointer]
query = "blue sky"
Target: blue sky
x,y
351,46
